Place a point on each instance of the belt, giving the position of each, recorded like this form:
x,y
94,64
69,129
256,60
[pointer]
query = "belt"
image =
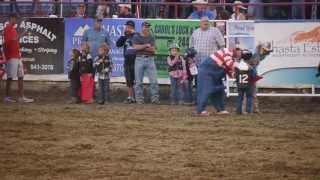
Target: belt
x,y
144,56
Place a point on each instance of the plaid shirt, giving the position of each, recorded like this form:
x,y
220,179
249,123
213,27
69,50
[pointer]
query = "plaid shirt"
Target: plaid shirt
x,y
206,42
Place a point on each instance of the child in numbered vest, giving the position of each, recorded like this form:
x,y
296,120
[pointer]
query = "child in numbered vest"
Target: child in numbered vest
x,y
86,74
245,78
74,76
103,65
178,74
192,72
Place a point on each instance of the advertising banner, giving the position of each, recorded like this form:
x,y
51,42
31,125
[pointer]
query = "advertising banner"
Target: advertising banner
x,y
75,27
241,34
42,44
295,56
167,31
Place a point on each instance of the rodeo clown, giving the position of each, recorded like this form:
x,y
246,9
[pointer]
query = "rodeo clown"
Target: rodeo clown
x,y
211,73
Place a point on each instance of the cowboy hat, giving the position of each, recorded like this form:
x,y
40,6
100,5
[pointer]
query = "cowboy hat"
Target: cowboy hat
x,y
200,2
239,4
125,5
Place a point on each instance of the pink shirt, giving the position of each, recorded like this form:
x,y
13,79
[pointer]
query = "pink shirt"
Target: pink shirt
x,y
178,73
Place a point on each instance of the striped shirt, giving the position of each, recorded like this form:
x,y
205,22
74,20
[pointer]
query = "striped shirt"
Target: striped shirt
x,y
224,58
207,41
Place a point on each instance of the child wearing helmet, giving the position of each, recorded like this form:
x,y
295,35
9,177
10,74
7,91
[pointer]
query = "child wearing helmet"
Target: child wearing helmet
x,y
245,78
178,74
192,72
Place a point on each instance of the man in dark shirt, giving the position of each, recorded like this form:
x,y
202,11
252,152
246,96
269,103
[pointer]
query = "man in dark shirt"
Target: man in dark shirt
x,y
125,41
144,43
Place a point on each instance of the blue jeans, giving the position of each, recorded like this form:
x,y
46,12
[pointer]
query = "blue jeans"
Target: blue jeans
x,y
104,90
177,88
75,87
248,92
190,96
147,64
210,86
188,92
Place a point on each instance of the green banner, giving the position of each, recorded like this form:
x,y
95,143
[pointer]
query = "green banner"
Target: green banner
x,y
167,32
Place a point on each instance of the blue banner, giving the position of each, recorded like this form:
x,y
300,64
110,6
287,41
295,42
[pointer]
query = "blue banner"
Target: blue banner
x,y
75,27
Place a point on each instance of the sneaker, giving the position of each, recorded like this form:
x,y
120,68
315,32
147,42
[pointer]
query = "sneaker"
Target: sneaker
x,y
101,102
129,100
25,100
204,114
223,112
140,102
9,100
74,100
155,101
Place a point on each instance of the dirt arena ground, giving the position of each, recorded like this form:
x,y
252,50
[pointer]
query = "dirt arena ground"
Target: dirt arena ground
x,y
53,140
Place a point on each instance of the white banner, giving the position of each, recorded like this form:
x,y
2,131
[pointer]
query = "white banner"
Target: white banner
x,y
295,56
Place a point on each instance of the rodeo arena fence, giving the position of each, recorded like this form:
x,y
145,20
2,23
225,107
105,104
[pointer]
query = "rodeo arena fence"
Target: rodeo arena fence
x,y
292,64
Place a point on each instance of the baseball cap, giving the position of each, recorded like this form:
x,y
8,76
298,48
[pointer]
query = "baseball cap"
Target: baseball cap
x,y
130,23
146,24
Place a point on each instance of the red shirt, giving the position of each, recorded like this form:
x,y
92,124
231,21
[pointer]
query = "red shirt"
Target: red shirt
x,y
11,42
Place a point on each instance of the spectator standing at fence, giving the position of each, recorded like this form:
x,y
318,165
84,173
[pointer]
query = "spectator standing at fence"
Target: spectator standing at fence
x,y
201,9
144,43
238,11
125,11
96,36
103,64
86,74
14,61
102,10
74,76
192,72
178,74
81,11
129,53
206,40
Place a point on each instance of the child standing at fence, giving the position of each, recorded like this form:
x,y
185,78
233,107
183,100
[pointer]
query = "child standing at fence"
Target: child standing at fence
x,y
86,74
245,78
178,74
192,72
103,65
74,76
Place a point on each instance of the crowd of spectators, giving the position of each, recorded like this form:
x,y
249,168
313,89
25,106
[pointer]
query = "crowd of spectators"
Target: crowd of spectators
x,y
193,9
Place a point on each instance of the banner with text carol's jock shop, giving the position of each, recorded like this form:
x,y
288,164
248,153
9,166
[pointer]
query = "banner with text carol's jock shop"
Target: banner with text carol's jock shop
x,y
42,44
167,31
